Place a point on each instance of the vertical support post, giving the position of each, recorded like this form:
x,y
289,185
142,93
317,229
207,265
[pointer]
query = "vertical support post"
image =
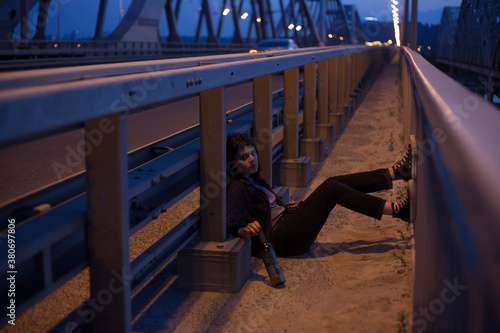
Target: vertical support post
x,y
290,114
323,128
335,92
347,85
292,170
108,221
213,165
309,126
262,126
310,145
342,109
323,91
212,262
352,94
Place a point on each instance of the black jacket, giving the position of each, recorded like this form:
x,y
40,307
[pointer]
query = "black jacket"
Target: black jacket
x,y
246,203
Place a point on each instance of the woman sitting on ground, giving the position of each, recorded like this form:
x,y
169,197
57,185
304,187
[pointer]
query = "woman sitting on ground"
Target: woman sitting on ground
x,y
252,205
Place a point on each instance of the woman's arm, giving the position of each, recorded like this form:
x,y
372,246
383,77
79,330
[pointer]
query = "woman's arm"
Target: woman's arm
x,y
250,230
236,212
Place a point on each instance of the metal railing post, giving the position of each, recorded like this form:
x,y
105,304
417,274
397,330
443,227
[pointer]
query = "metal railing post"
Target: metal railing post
x,y
309,105
310,145
334,78
323,91
213,165
108,222
294,170
336,92
347,86
325,129
262,123
290,114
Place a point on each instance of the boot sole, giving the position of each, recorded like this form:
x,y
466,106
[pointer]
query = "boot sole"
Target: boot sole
x,y
414,155
413,202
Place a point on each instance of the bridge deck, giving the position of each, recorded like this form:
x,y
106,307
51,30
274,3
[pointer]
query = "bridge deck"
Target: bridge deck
x,y
348,281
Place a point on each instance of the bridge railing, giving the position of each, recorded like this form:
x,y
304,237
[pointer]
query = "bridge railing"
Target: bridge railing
x,y
87,220
457,229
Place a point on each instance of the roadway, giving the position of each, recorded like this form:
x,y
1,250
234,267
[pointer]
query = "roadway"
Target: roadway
x,y
30,166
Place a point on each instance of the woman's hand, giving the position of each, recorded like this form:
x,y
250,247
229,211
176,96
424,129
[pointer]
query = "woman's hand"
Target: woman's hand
x,y
291,207
252,229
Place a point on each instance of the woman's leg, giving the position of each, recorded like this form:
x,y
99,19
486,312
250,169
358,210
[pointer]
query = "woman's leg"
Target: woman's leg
x,y
369,181
295,233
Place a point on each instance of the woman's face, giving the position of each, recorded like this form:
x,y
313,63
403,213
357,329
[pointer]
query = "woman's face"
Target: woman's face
x,y
247,162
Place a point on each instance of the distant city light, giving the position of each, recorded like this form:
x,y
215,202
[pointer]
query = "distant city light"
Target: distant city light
x,y
428,48
226,11
244,16
290,26
330,36
298,28
371,18
395,17
258,19
341,38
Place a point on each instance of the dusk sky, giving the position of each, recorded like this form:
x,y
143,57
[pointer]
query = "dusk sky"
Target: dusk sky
x,y
79,16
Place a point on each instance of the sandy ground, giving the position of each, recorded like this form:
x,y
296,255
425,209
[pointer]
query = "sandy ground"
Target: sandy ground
x,y
349,281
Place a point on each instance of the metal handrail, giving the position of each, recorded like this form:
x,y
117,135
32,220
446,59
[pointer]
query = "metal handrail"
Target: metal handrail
x,y
457,189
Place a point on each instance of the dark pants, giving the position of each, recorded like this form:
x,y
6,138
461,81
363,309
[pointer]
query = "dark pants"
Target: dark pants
x,y
295,233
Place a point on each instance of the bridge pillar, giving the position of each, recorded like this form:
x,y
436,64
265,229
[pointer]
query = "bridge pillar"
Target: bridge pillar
x,y
213,262
293,170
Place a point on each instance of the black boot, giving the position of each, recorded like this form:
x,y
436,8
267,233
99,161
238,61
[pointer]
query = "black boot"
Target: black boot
x,y
402,169
401,208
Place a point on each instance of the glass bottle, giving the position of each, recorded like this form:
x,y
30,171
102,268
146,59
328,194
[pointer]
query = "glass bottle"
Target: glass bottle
x,y
272,265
